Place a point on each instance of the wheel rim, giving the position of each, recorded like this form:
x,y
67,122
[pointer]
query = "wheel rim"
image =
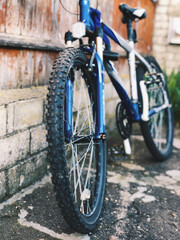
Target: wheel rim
x,y
81,151
159,122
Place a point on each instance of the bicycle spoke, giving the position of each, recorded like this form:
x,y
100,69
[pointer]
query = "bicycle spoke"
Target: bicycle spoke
x,y
80,114
77,118
82,158
74,171
89,168
83,120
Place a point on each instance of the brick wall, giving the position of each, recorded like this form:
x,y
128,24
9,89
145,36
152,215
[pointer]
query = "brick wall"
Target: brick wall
x,y
22,139
167,55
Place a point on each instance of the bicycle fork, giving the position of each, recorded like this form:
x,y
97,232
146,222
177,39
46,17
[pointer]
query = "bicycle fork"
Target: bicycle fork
x,y
100,104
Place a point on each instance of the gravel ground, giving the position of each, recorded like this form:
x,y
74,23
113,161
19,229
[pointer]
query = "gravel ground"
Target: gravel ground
x,y
142,202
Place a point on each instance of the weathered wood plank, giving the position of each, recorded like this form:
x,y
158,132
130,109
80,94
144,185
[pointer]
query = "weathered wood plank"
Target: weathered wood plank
x,y
34,18
26,68
2,15
43,67
9,68
106,8
66,19
55,20
13,12
10,40
27,16
145,28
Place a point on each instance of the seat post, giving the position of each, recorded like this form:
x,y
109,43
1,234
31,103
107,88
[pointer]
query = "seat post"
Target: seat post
x,y
132,66
129,30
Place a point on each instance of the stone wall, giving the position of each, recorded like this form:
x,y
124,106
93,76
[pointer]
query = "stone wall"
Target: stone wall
x,y
167,55
22,139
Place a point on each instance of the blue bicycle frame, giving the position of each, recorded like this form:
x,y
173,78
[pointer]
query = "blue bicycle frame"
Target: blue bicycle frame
x,y
92,19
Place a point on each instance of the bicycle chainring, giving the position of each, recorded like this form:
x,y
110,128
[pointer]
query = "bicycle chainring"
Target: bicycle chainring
x,y
123,122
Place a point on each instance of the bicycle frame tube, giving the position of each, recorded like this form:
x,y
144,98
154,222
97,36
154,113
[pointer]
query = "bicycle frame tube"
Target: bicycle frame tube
x,y
100,118
132,108
84,11
125,45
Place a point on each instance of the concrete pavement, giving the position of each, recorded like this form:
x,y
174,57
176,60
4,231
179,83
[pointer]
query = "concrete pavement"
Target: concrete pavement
x,y
142,202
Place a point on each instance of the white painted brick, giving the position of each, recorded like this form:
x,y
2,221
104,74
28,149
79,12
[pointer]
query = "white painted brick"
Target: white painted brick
x,y
160,32
160,18
170,56
174,8
161,9
2,121
160,56
171,64
173,49
28,113
38,139
163,2
160,40
162,25
2,185
10,118
177,57
159,49
14,148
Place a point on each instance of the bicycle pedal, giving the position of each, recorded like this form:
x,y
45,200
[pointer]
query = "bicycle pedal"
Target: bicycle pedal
x,y
127,146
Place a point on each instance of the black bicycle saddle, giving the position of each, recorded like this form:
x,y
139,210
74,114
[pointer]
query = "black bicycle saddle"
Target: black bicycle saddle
x,y
132,13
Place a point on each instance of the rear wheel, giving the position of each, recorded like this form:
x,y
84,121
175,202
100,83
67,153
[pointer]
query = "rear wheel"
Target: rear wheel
x,y
78,160
158,131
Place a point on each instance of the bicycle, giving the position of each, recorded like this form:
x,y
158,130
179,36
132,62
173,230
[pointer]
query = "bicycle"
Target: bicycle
x,y
76,114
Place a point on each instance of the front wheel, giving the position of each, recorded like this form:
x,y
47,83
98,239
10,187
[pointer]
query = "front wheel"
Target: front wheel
x,y
158,131
77,158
